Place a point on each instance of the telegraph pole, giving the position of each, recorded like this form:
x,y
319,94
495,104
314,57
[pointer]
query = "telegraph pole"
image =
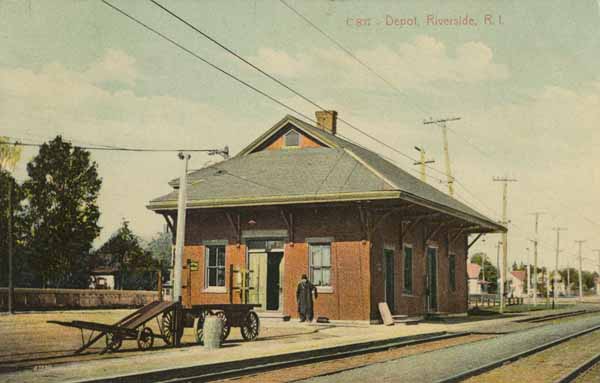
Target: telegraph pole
x,y
10,249
505,181
180,238
442,123
499,282
528,273
568,277
558,230
423,162
535,256
579,243
598,279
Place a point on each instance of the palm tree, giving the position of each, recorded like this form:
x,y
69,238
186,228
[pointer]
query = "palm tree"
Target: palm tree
x,y
10,154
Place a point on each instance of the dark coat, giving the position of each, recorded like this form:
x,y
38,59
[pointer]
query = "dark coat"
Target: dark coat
x,y
304,297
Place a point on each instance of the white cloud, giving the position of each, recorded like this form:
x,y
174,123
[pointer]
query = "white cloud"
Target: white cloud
x,y
419,62
36,105
281,63
115,66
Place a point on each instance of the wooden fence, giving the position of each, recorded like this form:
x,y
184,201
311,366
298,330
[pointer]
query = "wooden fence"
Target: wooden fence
x,y
26,299
490,300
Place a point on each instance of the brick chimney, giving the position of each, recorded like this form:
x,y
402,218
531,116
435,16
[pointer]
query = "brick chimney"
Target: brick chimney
x,y
327,120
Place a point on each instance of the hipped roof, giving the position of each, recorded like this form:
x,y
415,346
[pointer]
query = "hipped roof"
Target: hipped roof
x,y
338,171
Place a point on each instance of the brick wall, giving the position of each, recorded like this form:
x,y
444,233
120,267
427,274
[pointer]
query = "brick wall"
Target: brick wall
x,y
350,257
449,301
357,277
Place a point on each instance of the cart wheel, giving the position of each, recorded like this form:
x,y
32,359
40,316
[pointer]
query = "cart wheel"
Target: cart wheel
x,y
145,339
251,326
199,327
167,327
226,325
113,342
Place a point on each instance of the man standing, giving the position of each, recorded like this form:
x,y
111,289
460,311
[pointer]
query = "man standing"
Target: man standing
x,y
304,297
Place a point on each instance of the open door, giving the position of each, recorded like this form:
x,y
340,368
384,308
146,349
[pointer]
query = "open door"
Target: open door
x,y
274,283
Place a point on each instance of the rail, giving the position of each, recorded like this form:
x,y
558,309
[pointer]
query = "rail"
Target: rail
x,y
490,366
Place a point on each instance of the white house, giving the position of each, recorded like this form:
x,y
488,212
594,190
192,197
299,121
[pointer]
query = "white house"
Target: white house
x,y
473,270
517,281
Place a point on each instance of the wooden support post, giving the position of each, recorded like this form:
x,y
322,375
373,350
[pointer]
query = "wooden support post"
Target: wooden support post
x,y
435,231
235,223
473,241
288,219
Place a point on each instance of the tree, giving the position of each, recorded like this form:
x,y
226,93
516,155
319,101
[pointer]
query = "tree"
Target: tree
x,y
10,154
124,252
587,277
63,214
161,248
491,273
17,196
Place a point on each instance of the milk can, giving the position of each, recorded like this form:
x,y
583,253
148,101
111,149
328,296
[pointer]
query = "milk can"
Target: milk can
x,y
213,331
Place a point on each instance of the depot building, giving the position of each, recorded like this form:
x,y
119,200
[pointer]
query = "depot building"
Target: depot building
x,y
301,200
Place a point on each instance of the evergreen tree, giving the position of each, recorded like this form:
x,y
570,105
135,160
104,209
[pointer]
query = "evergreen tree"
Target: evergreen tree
x,y
62,213
123,251
491,273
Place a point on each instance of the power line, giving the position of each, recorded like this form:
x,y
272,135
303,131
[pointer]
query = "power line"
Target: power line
x,y
125,149
278,81
238,56
349,53
214,66
390,84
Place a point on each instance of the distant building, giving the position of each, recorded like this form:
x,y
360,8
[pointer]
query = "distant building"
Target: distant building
x,y
559,285
103,278
516,281
473,270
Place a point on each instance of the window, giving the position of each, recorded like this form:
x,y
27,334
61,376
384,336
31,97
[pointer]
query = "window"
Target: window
x,y
215,266
292,138
320,264
452,270
408,284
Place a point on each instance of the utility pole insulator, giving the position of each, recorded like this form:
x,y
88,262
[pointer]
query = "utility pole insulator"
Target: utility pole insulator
x,y
442,123
423,162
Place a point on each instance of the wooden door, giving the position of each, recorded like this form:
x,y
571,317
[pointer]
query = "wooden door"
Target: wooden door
x,y
431,279
257,266
390,285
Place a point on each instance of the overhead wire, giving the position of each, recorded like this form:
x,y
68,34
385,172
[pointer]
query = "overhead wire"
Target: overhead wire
x,y
207,62
115,148
278,81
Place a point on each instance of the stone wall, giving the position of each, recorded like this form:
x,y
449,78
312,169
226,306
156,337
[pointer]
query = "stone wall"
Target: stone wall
x,y
51,299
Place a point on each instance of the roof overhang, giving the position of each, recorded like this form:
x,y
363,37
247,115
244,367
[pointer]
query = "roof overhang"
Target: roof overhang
x,y
276,200
489,225
482,225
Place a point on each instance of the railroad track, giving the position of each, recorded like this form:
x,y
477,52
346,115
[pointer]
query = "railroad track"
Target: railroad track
x,y
226,370
590,366
550,317
490,366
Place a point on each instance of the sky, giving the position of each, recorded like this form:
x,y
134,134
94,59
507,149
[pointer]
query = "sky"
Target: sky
x,y
527,90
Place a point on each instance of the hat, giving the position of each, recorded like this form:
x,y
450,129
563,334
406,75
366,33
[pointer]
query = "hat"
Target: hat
x,y
304,276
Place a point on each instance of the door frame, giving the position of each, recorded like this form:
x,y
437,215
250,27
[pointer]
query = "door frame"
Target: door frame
x,y
437,273
267,253
392,255
281,266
